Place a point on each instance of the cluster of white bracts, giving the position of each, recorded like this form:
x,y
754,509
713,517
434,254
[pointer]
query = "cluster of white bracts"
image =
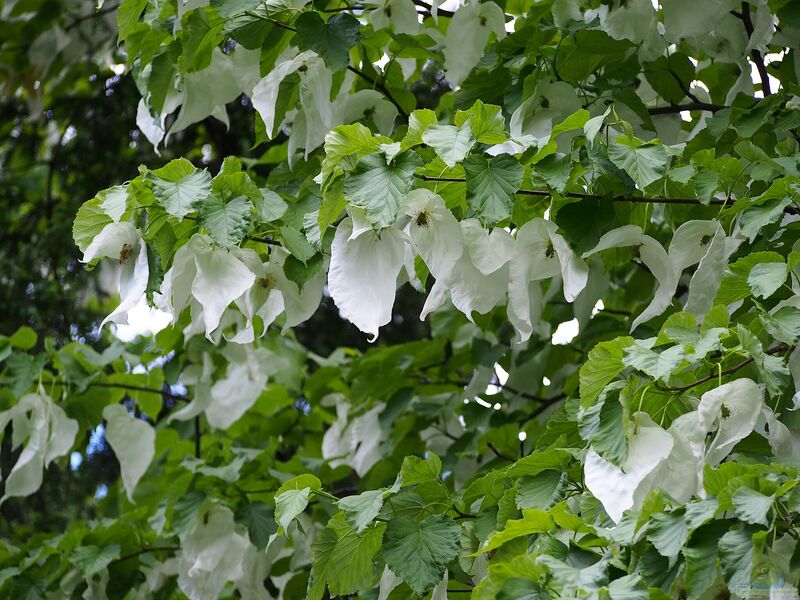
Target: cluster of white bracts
x,y
475,269
672,459
479,270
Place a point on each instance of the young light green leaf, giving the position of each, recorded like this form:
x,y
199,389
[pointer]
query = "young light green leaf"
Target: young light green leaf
x,y
765,279
452,144
179,187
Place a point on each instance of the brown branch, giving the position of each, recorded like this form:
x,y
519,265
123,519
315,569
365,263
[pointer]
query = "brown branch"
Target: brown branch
x,y
585,195
139,388
92,15
676,108
729,371
145,551
439,13
380,86
755,53
197,448
499,454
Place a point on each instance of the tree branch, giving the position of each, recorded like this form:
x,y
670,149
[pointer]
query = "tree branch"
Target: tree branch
x,y
145,551
139,388
676,108
585,195
379,85
499,454
755,53
197,448
439,13
730,371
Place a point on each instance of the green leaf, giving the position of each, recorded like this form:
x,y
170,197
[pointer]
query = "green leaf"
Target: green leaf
x,y
734,284
492,183
533,521
379,187
604,423
227,222
331,40
419,551
90,560
668,532
700,555
260,524
603,364
300,272
360,510
345,146
296,243
751,506
486,122
418,122
179,187
542,490
269,206
452,144
765,279
342,559
90,220
417,470
658,365
292,498
128,16
736,558
645,163
24,338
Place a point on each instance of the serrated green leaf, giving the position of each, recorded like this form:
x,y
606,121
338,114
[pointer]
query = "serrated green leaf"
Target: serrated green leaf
x,y
379,188
645,163
179,187
419,551
492,183
227,222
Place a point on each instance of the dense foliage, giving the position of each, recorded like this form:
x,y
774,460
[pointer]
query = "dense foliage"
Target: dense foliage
x,y
591,206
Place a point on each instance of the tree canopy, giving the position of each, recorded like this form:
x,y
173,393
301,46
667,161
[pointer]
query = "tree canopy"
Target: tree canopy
x,y
490,299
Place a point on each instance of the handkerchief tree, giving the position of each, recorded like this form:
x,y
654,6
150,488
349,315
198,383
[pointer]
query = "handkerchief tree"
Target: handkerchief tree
x,y
590,206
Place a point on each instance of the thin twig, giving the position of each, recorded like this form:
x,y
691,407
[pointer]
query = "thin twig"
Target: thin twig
x,y
379,85
499,454
145,551
758,60
441,12
197,448
586,195
92,15
676,108
138,388
730,371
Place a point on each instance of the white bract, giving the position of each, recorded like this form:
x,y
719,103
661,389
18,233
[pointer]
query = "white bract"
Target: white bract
x,y
354,443
122,242
540,253
225,399
133,442
47,433
211,277
653,256
474,288
467,36
214,553
363,274
622,489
